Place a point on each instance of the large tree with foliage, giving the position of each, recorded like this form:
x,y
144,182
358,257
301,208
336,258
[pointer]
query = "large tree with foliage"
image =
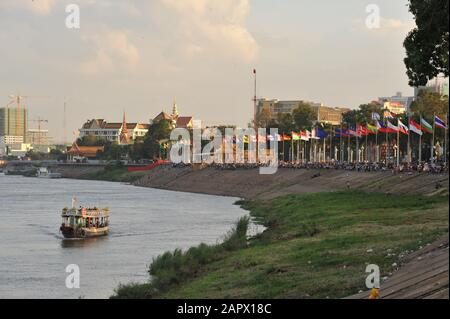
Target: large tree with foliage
x,y
427,44
362,115
429,103
304,115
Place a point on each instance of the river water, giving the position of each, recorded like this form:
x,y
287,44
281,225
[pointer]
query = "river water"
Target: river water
x,y
144,223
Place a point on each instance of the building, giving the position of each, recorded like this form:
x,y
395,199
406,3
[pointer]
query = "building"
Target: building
x,y
396,100
435,86
122,133
13,122
38,137
76,152
325,114
11,139
177,120
394,107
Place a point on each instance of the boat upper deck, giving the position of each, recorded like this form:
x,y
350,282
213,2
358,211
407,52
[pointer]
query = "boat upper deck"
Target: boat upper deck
x,y
85,212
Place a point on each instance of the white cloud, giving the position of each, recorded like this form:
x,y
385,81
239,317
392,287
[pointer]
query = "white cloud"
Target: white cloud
x,y
41,7
214,27
113,51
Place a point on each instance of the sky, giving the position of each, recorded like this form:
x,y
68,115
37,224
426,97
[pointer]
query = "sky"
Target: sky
x,y
139,56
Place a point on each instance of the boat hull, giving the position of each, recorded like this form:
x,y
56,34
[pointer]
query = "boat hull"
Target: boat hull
x,y
70,232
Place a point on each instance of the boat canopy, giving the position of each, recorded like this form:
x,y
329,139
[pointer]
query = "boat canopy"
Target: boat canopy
x,y
85,212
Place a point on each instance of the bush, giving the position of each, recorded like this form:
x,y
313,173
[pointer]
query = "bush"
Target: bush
x,y
173,268
134,291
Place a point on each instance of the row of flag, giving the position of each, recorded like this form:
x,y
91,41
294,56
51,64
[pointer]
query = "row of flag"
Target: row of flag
x,y
418,128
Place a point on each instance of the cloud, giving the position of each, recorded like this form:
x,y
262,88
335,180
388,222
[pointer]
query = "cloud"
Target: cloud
x,y
209,27
113,51
41,7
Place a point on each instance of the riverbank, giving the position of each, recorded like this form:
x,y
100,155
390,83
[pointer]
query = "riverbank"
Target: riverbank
x,y
248,183
315,246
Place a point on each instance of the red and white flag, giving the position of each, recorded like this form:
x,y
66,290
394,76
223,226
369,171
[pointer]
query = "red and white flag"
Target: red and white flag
x,y
403,128
415,127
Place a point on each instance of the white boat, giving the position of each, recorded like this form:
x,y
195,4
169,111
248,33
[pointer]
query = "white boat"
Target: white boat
x,y
43,172
84,222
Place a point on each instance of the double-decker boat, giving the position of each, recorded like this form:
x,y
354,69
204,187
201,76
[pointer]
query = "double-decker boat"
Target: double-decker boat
x,y
84,222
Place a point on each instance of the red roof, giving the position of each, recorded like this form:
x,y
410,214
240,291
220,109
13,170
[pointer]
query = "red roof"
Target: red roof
x,y
85,151
184,121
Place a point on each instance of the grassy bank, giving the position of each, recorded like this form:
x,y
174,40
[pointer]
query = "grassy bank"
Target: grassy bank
x,y
114,173
315,246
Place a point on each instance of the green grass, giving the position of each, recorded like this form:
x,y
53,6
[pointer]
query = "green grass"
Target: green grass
x,y
316,246
115,173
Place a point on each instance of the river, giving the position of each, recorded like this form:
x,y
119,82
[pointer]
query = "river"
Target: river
x,y
144,223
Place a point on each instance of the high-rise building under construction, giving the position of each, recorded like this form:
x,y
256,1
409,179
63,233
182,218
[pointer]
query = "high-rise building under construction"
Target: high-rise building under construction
x,y
13,123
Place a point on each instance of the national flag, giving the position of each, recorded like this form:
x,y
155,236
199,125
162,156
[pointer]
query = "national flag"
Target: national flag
x,y
389,115
352,131
314,134
372,129
304,136
415,127
295,136
439,122
262,138
375,116
361,130
320,133
391,128
341,132
403,128
308,134
381,127
426,127
278,137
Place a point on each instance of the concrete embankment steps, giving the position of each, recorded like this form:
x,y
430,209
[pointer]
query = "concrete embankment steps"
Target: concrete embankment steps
x,y
248,183
424,275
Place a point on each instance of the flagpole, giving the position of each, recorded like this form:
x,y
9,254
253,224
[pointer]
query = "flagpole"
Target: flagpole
x,y
409,143
398,142
340,145
445,139
331,142
357,144
420,141
377,155
387,145
292,148
366,150
432,139
348,149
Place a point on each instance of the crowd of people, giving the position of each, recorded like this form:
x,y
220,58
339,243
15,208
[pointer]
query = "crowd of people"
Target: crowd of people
x,y
424,167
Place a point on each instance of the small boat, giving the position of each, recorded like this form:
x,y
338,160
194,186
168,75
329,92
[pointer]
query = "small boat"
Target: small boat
x,y
84,222
43,172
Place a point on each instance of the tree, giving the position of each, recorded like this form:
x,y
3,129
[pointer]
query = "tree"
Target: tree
x,y
427,44
285,122
263,118
158,133
362,115
429,103
304,115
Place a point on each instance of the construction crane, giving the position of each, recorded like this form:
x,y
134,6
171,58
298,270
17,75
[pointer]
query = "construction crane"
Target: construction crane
x,y
18,100
39,121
